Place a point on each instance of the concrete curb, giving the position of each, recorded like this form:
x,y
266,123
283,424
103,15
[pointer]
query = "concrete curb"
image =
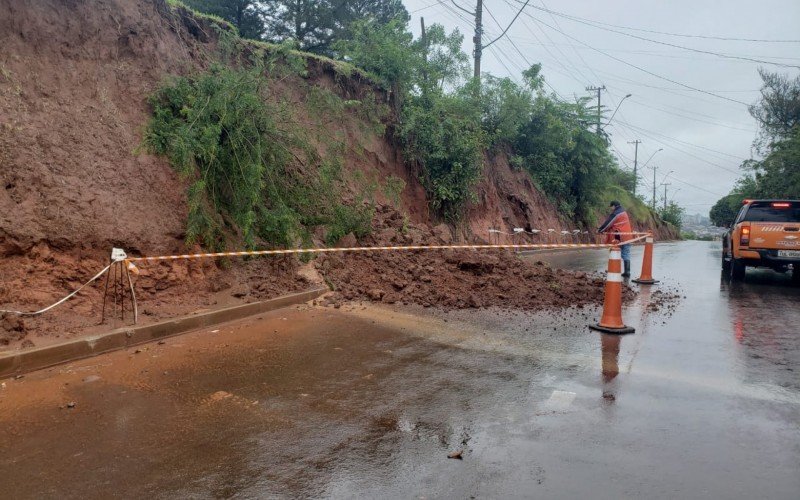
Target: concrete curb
x,y
17,363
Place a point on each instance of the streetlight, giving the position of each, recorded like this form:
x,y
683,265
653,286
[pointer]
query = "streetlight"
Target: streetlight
x,y
651,157
615,111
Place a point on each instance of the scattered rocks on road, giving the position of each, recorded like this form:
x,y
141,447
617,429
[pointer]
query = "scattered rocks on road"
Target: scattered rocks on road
x,y
450,279
458,455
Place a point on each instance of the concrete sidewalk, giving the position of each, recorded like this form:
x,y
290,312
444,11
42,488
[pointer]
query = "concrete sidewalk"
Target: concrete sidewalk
x,y
17,363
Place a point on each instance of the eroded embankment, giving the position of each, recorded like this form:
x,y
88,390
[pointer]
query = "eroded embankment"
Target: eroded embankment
x,y
74,84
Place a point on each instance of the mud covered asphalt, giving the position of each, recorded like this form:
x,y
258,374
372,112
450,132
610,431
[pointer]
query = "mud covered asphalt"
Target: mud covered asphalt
x,y
702,402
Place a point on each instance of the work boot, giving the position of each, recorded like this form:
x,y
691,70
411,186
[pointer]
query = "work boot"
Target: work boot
x,y
627,273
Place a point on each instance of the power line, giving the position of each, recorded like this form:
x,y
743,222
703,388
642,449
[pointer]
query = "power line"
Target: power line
x,y
591,69
524,57
557,60
649,135
683,35
663,53
696,187
694,145
691,118
640,68
563,55
691,49
440,2
509,25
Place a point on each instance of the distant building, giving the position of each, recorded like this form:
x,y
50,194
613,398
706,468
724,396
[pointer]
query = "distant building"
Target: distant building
x,y
701,226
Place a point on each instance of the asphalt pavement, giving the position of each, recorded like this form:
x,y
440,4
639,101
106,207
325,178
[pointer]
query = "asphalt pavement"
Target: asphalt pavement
x,y
368,402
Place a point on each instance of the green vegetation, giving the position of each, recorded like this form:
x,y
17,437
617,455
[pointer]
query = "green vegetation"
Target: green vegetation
x,y
252,173
203,14
448,121
440,130
314,25
393,189
673,214
259,170
686,235
777,174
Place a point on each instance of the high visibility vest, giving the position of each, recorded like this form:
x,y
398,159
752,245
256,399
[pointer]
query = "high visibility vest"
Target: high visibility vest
x,y
620,224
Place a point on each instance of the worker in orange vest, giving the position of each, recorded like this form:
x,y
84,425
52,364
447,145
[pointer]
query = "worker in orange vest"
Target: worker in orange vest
x,y
617,229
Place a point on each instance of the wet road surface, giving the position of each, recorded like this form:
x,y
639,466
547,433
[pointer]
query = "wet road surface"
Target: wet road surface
x,y
702,402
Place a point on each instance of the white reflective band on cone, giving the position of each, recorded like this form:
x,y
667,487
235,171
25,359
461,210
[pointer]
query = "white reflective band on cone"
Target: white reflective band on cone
x,y
616,254
648,240
614,277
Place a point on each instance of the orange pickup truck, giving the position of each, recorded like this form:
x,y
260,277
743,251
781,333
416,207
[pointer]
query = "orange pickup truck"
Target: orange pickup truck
x,y
766,233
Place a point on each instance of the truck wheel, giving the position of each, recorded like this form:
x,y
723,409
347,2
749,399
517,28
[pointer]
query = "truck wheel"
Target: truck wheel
x,y
726,264
737,270
796,274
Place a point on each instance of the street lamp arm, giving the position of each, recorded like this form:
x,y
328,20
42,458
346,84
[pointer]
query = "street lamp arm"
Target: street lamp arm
x,y
651,157
615,111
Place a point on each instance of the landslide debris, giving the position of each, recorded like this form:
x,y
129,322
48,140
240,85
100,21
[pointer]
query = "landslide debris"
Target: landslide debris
x,y
448,279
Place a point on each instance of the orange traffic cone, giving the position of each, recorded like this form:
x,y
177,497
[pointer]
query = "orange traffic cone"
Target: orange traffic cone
x,y
611,322
647,263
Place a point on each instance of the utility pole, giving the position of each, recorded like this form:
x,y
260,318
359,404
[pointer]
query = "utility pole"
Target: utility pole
x,y
598,90
665,193
424,50
635,165
478,38
655,185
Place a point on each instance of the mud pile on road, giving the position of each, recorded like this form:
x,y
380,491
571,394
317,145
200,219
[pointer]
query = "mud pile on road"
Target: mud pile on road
x,y
449,278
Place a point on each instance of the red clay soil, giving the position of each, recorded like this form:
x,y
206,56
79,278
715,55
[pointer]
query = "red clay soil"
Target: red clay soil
x,y
449,278
163,290
74,81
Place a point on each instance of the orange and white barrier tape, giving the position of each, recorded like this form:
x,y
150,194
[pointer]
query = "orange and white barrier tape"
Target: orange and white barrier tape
x,y
294,251
119,255
574,232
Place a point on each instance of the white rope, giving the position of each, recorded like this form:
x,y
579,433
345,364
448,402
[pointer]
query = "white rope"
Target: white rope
x,y
42,311
537,232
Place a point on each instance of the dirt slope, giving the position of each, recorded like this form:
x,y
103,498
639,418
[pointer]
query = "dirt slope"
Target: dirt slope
x,y
74,78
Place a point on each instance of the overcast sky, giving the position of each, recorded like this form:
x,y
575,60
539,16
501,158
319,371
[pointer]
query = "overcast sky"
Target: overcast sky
x,y
704,137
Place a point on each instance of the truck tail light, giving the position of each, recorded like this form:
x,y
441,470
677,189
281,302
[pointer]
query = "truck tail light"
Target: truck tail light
x,y
744,237
781,205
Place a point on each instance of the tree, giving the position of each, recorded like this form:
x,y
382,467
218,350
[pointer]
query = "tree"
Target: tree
x,y
387,52
568,161
672,213
346,12
445,62
777,174
723,213
307,22
778,115
507,107
316,25
246,15
778,111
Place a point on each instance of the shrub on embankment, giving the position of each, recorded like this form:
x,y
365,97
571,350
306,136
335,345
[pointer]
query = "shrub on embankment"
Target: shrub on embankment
x,y
253,172
448,119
